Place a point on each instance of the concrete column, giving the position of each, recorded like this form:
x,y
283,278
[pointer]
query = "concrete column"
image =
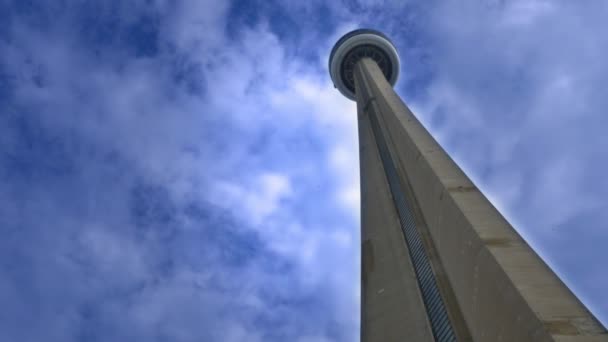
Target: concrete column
x,y
493,286
392,308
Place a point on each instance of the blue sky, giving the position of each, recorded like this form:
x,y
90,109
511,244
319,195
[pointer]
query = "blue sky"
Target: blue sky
x,y
185,171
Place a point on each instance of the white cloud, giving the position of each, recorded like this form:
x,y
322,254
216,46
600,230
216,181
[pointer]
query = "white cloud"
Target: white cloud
x,y
336,118
525,12
258,202
199,147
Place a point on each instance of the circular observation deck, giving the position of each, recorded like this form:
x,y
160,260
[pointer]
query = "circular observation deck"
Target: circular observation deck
x,y
351,48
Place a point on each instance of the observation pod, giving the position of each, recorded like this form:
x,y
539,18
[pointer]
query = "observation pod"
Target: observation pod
x,y
439,263
356,45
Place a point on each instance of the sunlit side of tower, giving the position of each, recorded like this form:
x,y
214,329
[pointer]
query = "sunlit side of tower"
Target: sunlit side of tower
x,y
438,261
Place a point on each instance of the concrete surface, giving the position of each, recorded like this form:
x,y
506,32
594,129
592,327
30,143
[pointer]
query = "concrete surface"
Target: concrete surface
x,y
502,291
392,309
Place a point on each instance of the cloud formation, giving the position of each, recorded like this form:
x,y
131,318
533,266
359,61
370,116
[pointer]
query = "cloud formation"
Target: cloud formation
x,y
152,190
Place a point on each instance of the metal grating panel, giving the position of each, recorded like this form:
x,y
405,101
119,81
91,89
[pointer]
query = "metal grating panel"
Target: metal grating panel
x,y
435,308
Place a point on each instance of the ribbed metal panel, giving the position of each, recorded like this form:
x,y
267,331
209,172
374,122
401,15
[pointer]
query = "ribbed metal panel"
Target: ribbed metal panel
x,y
436,311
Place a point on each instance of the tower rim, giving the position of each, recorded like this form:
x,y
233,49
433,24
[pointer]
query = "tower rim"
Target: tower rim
x,y
357,44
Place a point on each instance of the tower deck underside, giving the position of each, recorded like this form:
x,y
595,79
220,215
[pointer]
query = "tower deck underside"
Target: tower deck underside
x,y
491,284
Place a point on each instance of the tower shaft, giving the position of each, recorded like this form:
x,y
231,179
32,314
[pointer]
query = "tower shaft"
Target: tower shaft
x,y
439,262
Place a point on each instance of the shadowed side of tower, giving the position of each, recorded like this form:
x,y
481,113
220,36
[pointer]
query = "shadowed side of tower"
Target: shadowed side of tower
x,y
439,262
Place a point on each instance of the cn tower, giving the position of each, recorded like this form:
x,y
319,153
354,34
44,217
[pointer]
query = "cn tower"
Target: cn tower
x,y
438,261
